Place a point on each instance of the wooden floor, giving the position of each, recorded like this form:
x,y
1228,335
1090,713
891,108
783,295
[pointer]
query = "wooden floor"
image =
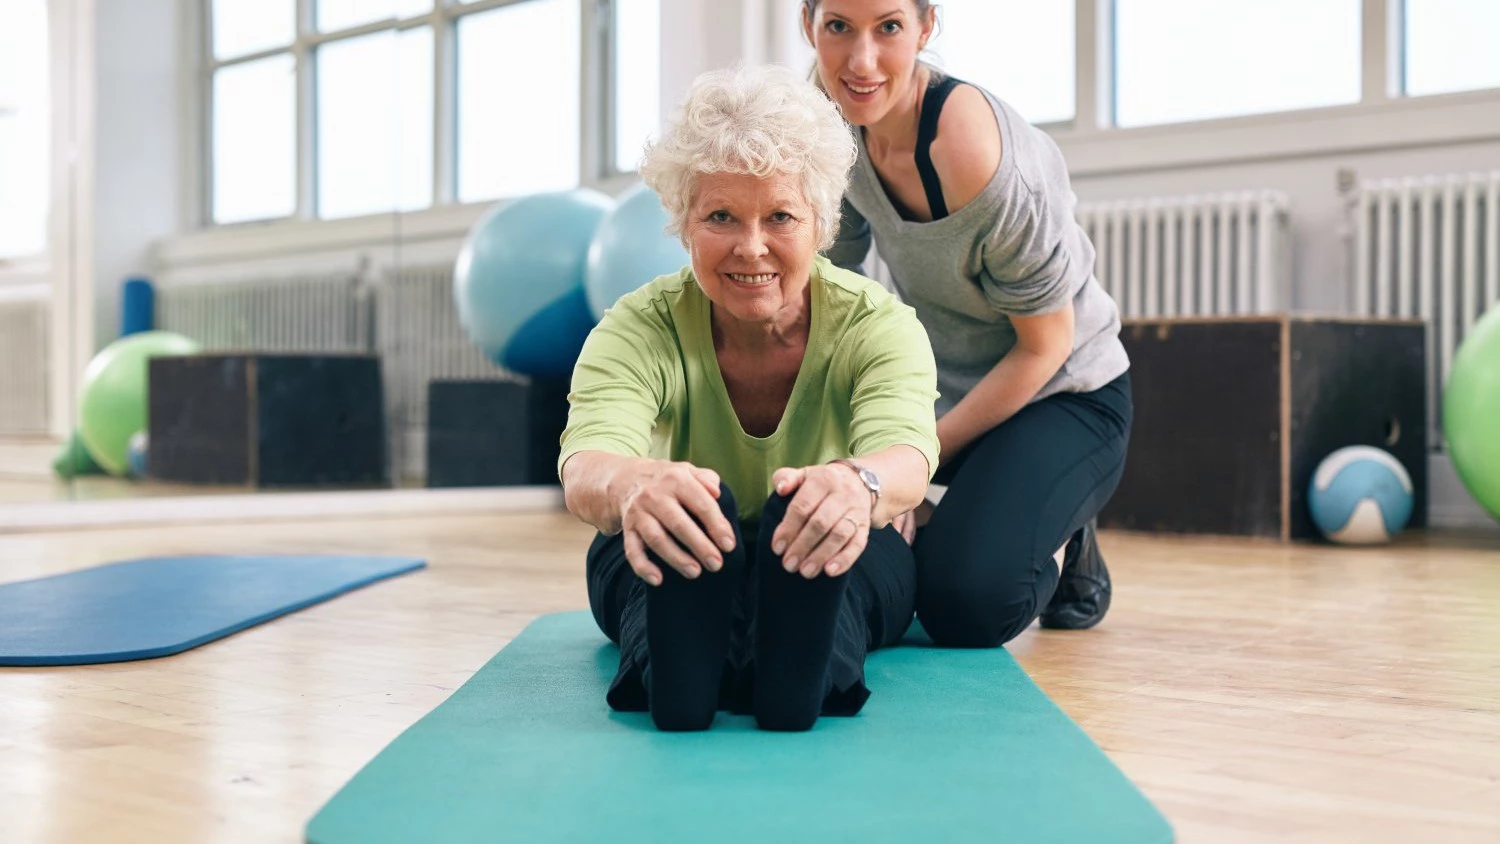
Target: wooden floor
x,y
1254,692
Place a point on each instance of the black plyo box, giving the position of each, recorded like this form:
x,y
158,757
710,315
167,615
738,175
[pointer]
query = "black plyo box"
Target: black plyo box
x,y
1233,415
495,433
267,420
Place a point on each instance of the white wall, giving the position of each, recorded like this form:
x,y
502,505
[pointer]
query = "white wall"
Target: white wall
x,y
137,164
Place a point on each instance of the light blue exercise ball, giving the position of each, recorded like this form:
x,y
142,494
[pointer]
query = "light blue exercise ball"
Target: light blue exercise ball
x,y
135,454
518,282
629,249
1360,495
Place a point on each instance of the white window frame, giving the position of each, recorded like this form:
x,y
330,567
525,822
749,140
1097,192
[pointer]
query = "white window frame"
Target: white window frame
x,y
208,241
1384,118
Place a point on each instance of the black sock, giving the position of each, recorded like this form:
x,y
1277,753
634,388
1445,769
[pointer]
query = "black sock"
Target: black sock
x,y
795,622
687,635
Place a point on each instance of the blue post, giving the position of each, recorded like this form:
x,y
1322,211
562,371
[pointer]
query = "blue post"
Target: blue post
x,y
137,307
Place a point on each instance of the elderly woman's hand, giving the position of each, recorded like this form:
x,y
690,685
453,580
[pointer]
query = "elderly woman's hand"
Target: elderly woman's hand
x,y
827,521
666,507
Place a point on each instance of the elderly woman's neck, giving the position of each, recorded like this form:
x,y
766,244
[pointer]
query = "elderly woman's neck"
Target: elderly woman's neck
x,y
788,330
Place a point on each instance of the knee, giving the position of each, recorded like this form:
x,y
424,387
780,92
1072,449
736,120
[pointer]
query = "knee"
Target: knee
x,y
775,508
972,615
727,505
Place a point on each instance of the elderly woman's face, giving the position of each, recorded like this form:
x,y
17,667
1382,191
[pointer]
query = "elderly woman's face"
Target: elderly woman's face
x,y
752,242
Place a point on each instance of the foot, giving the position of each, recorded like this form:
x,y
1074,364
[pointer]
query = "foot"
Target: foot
x,y
1083,587
688,625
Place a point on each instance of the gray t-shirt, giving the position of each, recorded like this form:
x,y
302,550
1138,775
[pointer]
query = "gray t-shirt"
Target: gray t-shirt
x,y
1015,250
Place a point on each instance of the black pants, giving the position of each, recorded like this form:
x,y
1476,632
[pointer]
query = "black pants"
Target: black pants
x,y
985,566
875,611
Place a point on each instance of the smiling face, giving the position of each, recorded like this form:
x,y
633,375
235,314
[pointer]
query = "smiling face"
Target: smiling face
x,y
867,52
752,241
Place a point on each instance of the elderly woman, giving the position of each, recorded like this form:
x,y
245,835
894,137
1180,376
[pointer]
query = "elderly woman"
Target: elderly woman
x,y
742,432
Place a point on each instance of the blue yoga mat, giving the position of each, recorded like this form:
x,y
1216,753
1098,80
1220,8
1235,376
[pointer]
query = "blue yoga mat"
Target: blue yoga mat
x,y
954,746
155,607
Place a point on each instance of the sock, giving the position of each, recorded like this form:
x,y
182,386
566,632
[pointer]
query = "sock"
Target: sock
x,y
687,637
795,622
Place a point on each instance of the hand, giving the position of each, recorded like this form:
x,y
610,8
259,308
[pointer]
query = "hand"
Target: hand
x,y
659,503
827,522
906,524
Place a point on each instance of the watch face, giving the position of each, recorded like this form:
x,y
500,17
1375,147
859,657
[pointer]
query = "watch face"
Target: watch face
x,y
871,479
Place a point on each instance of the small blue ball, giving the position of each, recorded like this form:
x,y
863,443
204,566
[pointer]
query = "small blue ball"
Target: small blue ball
x,y
1360,495
135,455
630,248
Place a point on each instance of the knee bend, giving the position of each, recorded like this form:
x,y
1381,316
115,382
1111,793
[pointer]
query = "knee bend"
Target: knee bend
x,y
974,618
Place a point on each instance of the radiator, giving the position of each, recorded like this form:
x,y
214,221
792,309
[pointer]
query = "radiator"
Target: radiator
x,y
1209,255
311,314
24,353
1428,248
421,339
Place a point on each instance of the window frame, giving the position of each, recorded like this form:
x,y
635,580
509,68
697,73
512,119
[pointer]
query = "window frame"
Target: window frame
x,y
597,118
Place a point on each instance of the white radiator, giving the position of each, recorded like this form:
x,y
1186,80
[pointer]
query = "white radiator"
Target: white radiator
x,y
310,314
1428,248
1209,255
420,339
24,353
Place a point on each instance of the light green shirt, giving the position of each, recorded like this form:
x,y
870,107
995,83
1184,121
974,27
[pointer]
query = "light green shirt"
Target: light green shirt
x,y
647,384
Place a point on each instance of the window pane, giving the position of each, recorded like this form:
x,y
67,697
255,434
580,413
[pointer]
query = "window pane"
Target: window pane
x,y
793,51
25,129
518,100
1035,74
255,140
1179,60
375,124
637,77
334,15
1451,45
249,26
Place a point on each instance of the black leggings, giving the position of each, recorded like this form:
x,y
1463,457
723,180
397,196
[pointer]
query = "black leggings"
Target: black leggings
x,y
772,621
985,566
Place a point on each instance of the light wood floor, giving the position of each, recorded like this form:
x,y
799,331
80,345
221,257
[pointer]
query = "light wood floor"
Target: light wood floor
x,y
1254,692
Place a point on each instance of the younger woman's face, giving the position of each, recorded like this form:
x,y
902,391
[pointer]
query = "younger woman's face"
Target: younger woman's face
x,y
867,53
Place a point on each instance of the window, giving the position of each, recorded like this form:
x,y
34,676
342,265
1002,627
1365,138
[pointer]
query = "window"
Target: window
x,y
402,104
1180,60
1450,45
518,100
637,78
25,129
375,123
1036,74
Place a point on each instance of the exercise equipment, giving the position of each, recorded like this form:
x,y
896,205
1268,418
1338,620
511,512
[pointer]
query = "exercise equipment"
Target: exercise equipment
x,y
518,282
112,403
1471,411
154,607
955,745
630,248
1360,495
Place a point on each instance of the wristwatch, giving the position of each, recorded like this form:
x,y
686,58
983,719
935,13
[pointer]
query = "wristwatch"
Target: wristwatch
x,y
867,477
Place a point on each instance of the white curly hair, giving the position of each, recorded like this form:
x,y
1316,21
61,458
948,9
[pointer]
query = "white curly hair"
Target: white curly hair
x,y
759,121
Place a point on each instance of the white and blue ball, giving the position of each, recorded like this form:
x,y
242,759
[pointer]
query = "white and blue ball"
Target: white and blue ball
x,y
518,282
1360,495
630,248
135,455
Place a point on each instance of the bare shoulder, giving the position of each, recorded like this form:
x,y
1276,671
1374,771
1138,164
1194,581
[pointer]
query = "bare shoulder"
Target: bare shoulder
x,y
966,151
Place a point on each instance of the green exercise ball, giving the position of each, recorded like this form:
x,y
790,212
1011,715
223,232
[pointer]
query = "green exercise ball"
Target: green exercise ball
x,y
1471,411
112,403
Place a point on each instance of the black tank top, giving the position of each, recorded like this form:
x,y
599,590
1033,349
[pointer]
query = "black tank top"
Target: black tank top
x,y
927,126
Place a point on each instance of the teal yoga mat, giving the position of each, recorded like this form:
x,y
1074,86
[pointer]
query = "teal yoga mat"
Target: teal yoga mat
x,y
155,607
954,746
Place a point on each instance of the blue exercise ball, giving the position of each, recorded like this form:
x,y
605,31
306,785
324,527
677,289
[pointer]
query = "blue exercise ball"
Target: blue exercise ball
x,y
518,282
630,248
1360,495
